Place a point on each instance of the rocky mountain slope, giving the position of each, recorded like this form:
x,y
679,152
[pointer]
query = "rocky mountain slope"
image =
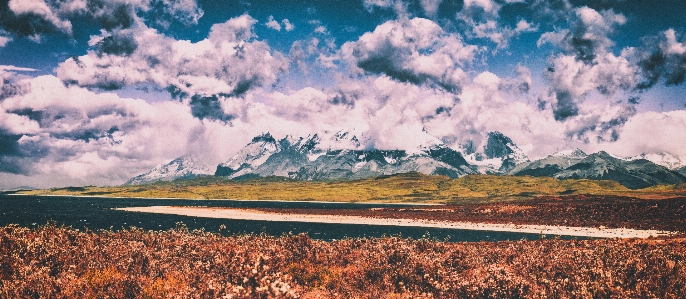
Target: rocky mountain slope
x,y
634,174
550,165
668,160
499,155
184,167
306,159
340,156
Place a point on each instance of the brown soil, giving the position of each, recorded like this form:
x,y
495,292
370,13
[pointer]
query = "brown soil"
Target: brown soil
x,y
583,211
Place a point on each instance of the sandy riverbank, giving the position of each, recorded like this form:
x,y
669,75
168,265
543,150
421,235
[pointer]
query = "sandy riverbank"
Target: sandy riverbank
x,y
247,214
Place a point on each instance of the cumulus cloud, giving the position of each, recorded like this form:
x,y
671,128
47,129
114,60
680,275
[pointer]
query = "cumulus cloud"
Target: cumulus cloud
x,y
482,19
589,34
408,83
287,25
33,18
666,60
273,24
398,6
430,7
370,5
4,40
79,136
586,66
416,51
666,131
226,64
552,9
40,9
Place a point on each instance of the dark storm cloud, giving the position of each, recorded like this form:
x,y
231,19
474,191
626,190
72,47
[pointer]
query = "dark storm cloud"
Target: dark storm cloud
x,y
388,62
227,64
111,15
566,106
586,63
344,99
34,19
9,153
415,51
588,35
25,25
208,107
603,130
665,58
119,44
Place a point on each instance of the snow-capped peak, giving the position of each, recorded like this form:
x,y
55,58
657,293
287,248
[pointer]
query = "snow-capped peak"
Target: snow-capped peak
x,y
253,154
572,153
498,155
182,167
665,159
341,140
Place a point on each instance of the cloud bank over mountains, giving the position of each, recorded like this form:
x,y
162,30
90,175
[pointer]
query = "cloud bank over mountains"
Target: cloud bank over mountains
x,y
425,71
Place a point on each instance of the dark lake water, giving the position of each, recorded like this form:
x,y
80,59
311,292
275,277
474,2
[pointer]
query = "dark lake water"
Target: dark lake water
x,y
97,213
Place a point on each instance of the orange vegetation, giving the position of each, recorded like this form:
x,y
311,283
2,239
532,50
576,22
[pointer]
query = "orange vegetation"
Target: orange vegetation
x,y
56,262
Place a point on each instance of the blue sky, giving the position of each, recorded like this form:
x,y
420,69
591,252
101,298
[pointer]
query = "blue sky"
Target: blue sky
x,y
96,91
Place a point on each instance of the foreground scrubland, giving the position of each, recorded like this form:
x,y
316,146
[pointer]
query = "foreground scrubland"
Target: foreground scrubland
x,y
57,262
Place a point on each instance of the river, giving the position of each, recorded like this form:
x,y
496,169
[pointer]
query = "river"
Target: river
x,y
96,213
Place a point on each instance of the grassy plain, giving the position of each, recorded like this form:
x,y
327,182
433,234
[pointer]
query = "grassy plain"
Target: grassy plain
x,y
408,187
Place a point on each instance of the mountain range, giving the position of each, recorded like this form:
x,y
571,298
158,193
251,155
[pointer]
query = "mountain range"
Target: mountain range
x,y
184,167
634,173
340,156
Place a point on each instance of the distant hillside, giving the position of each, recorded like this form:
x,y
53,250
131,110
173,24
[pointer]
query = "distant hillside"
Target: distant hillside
x,y
633,174
407,187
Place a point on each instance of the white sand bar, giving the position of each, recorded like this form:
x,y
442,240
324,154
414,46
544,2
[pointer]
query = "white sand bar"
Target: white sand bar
x,y
247,214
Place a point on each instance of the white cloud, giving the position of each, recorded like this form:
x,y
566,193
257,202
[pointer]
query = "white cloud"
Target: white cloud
x,y
4,40
12,68
227,63
371,4
670,45
430,7
320,29
69,135
482,19
665,132
524,26
40,8
588,35
110,15
273,24
287,25
416,51
587,67
488,6
399,6
665,60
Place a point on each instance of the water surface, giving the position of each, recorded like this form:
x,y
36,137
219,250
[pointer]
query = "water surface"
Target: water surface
x,y
96,213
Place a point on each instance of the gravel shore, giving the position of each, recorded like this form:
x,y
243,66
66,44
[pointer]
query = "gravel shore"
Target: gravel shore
x,y
247,214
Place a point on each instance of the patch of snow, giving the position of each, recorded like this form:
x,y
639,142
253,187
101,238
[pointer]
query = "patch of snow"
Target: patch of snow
x,y
664,159
390,160
313,156
572,153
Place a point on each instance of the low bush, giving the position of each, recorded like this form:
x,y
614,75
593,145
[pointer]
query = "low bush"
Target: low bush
x,y
59,262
